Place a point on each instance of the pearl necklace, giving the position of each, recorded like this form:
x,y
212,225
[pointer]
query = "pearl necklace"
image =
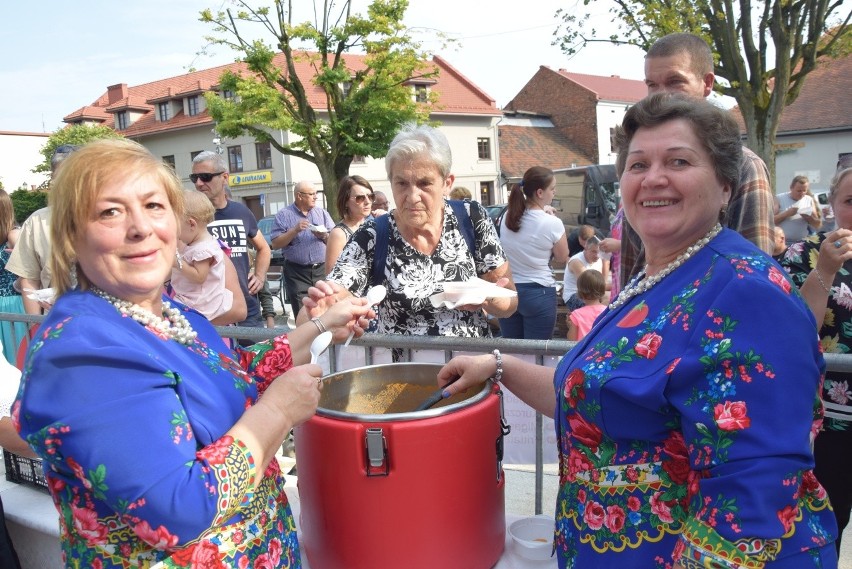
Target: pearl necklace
x,y
641,283
173,325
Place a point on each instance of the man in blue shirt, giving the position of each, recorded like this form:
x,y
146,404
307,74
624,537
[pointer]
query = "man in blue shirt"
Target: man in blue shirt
x,y
300,231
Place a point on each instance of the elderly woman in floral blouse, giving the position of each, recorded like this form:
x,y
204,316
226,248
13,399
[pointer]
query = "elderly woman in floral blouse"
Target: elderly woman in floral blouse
x,y
685,420
426,243
821,266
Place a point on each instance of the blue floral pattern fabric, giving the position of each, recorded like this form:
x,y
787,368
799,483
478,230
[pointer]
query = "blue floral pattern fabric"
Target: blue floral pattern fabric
x,y
132,429
685,423
412,277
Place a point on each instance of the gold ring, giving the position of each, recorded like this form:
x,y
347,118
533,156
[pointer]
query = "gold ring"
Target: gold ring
x,y
319,383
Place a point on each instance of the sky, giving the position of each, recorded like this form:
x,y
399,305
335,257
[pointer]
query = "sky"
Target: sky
x,y
60,56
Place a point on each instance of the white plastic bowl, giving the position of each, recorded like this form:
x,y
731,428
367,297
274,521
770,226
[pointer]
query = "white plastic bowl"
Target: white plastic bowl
x,y
454,290
532,538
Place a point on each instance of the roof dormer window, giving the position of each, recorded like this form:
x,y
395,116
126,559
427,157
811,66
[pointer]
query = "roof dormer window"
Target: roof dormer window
x,y
164,112
192,106
421,93
121,120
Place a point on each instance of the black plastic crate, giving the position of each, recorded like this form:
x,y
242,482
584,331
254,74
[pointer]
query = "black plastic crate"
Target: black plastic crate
x,y
23,470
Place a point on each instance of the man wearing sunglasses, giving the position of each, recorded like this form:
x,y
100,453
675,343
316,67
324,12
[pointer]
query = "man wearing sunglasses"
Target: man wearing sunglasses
x,y
301,231
235,225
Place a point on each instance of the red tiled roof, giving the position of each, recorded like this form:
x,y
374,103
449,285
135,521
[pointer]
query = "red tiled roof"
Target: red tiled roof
x,y
456,94
612,88
167,95
823,102
89,112
524,146
132,102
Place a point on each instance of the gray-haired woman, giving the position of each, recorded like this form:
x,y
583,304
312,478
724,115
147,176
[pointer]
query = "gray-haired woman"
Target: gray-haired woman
x,y
426,246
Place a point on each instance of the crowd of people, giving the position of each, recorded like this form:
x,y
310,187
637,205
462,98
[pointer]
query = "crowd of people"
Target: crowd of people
x,y
689,433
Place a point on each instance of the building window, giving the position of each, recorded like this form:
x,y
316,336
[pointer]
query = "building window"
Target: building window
x,y
235,159
346,86
164,113
264,155
358,159
227,94
483,146
121,120
612,147
421,94
192,106
192,155
170,161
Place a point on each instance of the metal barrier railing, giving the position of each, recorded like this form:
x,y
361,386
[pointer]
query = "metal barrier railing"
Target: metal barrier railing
x,y
409,346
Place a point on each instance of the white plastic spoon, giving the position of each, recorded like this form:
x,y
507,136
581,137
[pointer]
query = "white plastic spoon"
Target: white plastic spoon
x,y
375,295
319,345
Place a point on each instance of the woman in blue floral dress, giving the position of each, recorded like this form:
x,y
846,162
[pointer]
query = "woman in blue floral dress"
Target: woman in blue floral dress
x,y
158,442
685,420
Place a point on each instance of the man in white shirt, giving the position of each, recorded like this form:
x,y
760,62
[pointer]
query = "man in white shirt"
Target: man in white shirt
x,y
795,211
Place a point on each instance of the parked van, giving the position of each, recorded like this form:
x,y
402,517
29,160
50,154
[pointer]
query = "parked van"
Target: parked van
x,y
585,195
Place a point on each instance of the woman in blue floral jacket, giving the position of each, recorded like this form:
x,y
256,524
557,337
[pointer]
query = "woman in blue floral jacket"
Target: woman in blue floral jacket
x,y
685,418
158,442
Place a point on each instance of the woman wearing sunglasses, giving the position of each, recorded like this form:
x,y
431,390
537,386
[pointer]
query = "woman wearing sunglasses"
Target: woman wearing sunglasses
x,y
354,204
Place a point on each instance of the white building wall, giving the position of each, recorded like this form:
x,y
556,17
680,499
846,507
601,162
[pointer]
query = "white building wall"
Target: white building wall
x,y
461,131
19,154
609,115
816,158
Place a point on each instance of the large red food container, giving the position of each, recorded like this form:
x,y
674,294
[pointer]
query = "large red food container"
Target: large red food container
x,y
401,489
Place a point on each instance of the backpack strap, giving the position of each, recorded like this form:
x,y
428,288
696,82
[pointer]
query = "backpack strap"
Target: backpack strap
x,y
380,247
465,224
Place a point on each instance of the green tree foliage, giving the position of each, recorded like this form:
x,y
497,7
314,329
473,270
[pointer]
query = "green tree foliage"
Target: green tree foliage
x,y
25,202
363,107
75,134
764,49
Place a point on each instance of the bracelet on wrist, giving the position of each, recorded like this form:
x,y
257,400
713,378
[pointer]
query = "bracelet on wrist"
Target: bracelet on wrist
x,y
825,287
498,374
318,323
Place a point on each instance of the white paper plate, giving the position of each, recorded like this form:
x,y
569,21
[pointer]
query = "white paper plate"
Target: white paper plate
x,y
473,291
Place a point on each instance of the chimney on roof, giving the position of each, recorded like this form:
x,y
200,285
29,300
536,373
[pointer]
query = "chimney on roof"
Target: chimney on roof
x,y
116,93
615,76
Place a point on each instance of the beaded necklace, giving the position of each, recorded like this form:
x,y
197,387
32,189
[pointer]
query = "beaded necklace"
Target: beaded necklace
x,y
172,324
641,283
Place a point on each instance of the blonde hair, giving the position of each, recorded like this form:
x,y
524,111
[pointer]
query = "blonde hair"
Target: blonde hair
x,y
75,189
460,193
198,207
7,216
